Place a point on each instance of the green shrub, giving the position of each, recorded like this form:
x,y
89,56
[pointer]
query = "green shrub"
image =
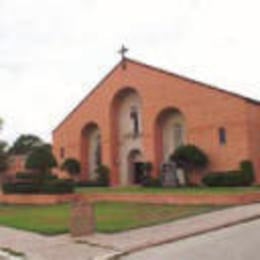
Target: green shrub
x,y
50,177
28,182
152,182
103,173
72,166
190,158
58,187
242,177
248,172
41,159
89,183
51,187
20,187
31,176
219,179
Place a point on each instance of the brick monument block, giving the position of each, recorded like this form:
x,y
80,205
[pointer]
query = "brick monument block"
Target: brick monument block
x,y
82,220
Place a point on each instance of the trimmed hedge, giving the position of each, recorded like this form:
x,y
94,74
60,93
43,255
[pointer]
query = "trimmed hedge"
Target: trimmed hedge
x,y
242,177
20,187
33,176
229,178
151,182
25,176
90,183
53,187
36,183
58,187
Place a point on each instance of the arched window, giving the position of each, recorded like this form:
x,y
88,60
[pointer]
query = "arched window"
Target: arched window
x,y
98,152
222,135
178,132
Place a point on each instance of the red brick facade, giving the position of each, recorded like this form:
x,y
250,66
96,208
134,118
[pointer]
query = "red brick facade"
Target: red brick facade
x,y
205,108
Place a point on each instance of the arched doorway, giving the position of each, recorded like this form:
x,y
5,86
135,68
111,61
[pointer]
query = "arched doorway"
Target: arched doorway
x,y
170,133
91,150
126,125
135,170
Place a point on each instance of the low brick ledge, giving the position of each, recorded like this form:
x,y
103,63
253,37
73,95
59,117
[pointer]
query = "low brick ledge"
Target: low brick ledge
x,y
177,199
174,199
35,199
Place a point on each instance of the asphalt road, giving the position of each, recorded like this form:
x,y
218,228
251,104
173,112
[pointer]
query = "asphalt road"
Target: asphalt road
x,y
240,242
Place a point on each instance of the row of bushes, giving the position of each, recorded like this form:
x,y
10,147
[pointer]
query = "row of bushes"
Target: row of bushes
x,y
48,187
236,178
242,177
47,183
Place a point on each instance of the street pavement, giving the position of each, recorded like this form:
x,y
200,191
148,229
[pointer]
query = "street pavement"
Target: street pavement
x,y
240,242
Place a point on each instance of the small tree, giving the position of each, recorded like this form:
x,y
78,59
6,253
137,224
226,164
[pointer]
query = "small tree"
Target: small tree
x,y
3,154
3,157
190,158
24,144
72,166
41,161
103,178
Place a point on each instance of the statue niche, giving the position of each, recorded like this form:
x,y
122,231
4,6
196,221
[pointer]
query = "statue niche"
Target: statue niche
x,y
135,120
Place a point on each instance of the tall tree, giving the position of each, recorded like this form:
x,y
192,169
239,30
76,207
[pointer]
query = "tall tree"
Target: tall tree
x,y
3,157
41,159
3,153
24,144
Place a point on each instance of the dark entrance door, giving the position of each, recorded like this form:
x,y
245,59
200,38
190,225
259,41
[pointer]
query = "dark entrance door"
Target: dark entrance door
x,y
138,172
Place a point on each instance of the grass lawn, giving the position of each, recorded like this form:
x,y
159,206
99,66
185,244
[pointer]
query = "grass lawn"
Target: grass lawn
x,y
184,190
110,216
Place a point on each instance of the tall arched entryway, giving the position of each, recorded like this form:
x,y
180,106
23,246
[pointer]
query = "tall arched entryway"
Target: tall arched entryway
x,y
170,133
91,154
127,130
135,164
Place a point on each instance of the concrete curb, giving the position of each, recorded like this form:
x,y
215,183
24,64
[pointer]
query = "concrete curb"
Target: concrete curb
x,y
116,256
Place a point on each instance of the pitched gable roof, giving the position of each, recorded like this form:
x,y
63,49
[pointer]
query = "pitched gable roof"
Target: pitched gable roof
x,y
254,101
173,74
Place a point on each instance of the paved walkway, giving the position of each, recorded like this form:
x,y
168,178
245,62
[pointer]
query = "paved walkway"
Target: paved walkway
x,y
96,246
138,239
38,247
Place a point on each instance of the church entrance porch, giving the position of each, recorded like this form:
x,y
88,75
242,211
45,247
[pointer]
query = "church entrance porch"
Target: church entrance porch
x,y
135,167
138,173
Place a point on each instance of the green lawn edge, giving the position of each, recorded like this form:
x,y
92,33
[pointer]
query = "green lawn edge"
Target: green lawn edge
x,y
54,220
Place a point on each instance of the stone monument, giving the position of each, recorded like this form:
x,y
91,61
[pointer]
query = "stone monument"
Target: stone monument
x,y
169,177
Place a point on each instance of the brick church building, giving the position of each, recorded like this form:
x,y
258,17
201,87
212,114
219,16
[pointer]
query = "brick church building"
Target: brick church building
x,y
139,113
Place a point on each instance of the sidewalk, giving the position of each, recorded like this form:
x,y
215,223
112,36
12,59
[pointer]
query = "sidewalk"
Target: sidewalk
x,y
138,239
100,246
39,247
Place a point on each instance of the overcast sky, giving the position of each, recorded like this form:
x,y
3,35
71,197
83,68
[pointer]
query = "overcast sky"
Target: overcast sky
x,y
53,52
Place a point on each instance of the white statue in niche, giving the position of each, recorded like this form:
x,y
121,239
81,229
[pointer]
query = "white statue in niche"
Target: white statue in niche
x,y
135,119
